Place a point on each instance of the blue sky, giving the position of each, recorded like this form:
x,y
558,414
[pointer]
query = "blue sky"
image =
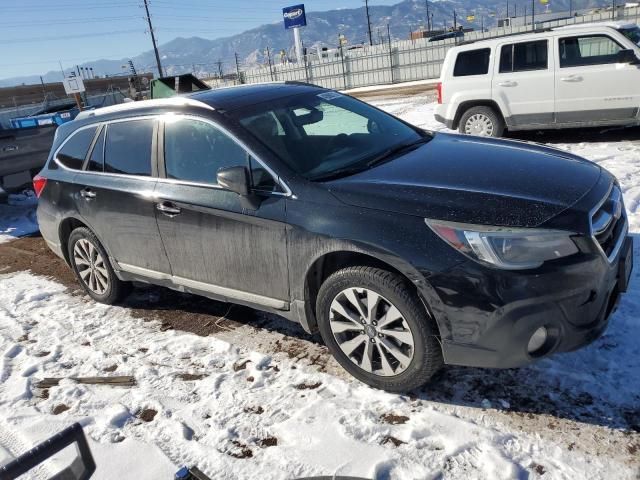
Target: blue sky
x,y
35,34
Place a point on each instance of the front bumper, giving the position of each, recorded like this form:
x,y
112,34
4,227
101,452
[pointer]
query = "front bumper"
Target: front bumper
x,y
487,316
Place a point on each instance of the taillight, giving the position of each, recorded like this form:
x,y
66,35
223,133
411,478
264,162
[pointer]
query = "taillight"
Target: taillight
x,y
38,184
439,90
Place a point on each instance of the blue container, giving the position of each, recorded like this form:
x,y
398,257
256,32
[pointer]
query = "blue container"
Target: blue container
x,y
45,119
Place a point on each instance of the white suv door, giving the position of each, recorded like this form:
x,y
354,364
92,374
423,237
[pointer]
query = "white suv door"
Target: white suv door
x,y
591,87
523,82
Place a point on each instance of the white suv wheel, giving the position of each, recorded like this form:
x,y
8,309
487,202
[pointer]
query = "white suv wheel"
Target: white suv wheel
x,y
480,125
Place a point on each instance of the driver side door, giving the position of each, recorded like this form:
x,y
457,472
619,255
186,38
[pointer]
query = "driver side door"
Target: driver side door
x,y
212,242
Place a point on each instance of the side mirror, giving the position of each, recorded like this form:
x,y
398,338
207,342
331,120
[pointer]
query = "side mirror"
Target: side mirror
x,y
234,179
237,180
627,56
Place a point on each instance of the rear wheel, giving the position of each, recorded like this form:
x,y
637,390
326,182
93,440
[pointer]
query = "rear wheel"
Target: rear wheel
x,y
481,122
377,329
91,265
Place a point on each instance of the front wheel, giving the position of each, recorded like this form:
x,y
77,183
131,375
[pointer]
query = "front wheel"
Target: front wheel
x,y
377,329
481,122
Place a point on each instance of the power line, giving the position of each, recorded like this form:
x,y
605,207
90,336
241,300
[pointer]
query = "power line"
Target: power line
x,y
67,37
66,22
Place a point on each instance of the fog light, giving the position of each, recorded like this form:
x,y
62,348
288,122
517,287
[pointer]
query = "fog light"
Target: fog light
x,y
537,340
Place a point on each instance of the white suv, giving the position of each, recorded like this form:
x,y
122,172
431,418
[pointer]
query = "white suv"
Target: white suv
x,y
574,76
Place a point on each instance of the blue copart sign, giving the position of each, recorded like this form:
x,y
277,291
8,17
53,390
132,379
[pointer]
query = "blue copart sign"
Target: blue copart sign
x,y
294,16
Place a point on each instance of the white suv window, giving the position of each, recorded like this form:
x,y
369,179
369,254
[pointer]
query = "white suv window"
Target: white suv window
x,y
588,50
472,62
523,57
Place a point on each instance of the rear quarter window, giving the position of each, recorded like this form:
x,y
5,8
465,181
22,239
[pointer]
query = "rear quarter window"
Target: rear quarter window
x,y
472,62
74,150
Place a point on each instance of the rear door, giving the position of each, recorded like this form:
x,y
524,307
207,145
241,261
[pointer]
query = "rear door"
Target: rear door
x,y
114,193
213,243
590,85
523,81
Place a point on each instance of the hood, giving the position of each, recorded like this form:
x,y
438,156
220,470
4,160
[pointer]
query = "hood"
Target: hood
x,y
472,180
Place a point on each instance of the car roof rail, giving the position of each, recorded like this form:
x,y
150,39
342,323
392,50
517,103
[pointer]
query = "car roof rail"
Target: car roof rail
x,y
537,30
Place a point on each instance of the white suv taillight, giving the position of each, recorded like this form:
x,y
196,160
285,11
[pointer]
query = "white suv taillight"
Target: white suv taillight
x,y
439,90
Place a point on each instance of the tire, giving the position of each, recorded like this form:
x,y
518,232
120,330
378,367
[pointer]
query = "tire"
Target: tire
x,y
487,122
92,268
392,291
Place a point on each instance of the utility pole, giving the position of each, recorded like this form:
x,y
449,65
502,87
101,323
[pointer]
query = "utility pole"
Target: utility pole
x,y
507,9
455,21
153,38
570,8
428,18
366,6
44,90
613,9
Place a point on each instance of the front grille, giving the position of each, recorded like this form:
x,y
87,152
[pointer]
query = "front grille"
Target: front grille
x,y
608,222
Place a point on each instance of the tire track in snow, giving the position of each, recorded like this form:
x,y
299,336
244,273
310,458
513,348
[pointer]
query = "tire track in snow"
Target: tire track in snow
x,y
16,446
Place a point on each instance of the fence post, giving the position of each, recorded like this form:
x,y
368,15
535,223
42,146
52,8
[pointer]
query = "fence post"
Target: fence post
x,y
390,52
269,60
305,59
344,73
238,72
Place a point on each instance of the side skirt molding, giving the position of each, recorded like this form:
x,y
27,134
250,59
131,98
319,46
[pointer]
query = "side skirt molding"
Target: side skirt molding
x,y
224,292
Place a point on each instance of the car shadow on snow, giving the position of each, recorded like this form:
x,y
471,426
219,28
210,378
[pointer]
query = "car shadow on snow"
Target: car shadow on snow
x,y
578,135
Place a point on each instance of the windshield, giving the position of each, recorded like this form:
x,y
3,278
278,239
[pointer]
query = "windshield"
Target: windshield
x,y
632,33
326,135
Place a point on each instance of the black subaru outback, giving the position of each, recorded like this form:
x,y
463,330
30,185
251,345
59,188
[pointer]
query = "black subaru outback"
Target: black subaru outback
x,y
406,249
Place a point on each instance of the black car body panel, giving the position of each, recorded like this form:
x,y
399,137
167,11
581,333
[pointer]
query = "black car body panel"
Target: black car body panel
x,y
274,256
450,176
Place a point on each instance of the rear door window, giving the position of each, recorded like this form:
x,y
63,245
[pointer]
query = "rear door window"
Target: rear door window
x,y
472,62
128,147
587,50
74,151
523,57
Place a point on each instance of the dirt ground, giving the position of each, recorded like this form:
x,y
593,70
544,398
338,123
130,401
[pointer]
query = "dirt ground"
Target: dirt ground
x,y
574,418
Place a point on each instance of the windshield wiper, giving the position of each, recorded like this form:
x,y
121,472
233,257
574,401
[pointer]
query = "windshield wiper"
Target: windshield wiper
x,y
386,155
396,150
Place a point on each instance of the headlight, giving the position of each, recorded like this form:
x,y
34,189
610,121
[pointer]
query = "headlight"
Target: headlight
x,y
508,248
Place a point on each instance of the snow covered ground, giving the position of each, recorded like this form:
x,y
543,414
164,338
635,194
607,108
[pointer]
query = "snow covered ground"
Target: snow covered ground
x,y
230,405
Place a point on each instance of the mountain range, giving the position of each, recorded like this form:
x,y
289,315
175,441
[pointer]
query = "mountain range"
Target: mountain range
x,y
203,55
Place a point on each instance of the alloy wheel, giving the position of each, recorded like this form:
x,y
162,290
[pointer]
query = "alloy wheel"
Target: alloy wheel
x,y
91,267
371,332
479,124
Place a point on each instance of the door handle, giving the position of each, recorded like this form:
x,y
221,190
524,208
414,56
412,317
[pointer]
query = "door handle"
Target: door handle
x,y
508,83
571,78
87,193
168,209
